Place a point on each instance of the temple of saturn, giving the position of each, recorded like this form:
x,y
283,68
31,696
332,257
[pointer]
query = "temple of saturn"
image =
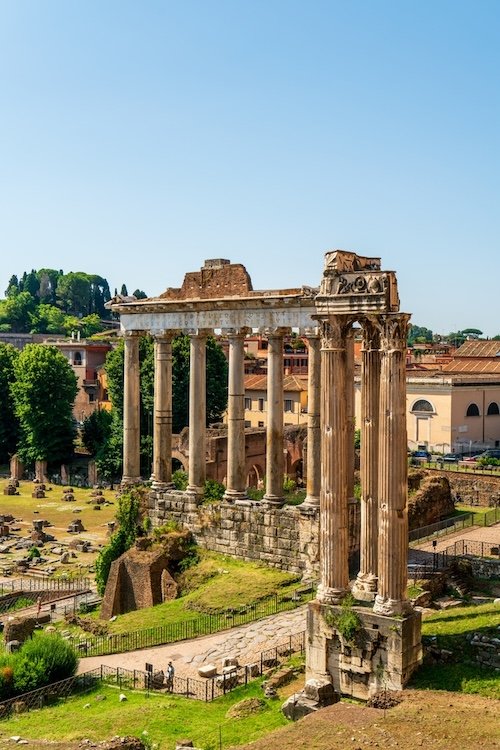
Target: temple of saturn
x,y
354,293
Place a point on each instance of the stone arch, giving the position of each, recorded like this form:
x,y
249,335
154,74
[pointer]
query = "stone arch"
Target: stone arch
x,y
183,460
493,409
297,472
473,410
255,475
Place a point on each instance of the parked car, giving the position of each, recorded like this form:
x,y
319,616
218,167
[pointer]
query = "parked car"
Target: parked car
x,y
421,456
490,453
451,458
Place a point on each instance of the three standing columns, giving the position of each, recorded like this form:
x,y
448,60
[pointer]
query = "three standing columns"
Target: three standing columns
x,y
197,413
162,424
131,410
236,459
275,432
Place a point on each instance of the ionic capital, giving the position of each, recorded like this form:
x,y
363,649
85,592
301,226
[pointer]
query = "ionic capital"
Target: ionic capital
x,y
234,333
134,334
199,333
275,333
161,334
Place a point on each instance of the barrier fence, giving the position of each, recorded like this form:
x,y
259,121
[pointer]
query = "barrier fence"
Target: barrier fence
x,y
207,689
28,584
424,562
203,624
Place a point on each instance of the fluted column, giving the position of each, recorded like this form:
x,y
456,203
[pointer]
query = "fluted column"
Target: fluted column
x,y
197,413
366,583
335,433
274,434
351,419
236,460
393,469
131,410
313,469
162,416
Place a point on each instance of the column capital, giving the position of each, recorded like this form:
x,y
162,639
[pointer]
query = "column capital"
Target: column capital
x,y
133,334
335,330
310,333
161,334
393,329
236,332
199,333
275,332
371,333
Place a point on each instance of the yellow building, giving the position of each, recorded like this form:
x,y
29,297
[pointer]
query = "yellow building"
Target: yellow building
x,y
294,397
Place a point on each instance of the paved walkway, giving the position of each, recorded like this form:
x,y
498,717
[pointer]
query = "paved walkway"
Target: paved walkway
x,y
245,643
473,533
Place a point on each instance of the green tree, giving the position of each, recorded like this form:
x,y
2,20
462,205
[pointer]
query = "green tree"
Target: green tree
x,y
48,319
472,333
16,312
140,294
12,287
419,335
44,390
123,290
109,457
90,324
9,425
74,293
128,517
48,278
96,431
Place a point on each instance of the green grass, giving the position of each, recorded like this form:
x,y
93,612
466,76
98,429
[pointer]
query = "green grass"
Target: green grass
x,y
451,628
217,583
165,718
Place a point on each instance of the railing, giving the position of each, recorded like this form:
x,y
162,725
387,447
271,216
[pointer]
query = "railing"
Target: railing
x,y
44,584
442,528
181,631
207,689
424,562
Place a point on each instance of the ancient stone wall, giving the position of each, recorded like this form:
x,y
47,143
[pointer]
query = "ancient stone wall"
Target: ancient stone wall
x,y
283,537
430,499
474,489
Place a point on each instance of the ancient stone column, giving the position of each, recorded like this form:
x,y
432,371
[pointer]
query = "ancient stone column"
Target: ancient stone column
x,y
351,419
335,453
366,582
197,413
162,424
236,461
274,434
313,469
393,469
131,410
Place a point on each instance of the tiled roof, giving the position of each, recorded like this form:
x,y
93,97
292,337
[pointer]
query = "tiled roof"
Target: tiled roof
x,y
482,366
293,383
479,349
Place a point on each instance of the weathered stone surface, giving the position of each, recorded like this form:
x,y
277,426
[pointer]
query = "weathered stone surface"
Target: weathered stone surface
x,y
19,629
207,670
321,691
297,706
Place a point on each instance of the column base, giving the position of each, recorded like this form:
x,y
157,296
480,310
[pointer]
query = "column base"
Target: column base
x,y
161,486
392,607
327,595
230,496
310,504
130,481
273,501
365,587
195,494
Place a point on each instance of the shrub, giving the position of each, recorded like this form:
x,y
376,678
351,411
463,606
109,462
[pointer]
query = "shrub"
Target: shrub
x,y
30,673
58,655
289,484
213,491
347,622
112,551
180,479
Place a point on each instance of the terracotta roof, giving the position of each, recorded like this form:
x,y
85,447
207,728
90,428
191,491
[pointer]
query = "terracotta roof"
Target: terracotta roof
x,y
293,383
482,366
479,349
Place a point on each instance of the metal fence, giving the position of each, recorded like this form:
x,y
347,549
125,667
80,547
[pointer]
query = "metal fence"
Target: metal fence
x,y
28,584
441,528
207,689
425,562
203,624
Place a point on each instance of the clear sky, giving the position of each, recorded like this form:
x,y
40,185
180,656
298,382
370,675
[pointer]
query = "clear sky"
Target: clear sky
x,y
139,138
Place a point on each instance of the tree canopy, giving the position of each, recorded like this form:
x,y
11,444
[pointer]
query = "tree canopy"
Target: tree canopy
x,y
44,390
9,425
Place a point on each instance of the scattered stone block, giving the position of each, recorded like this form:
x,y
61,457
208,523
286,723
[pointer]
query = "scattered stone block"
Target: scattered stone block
x,y
321,691
19,629
297,706
208,670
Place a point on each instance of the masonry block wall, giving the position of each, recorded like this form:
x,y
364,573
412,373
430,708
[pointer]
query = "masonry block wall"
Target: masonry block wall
x,y
284,538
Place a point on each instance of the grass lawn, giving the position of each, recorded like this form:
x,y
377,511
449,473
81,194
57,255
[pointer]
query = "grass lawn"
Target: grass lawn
x,y
217,583
166,718
451,628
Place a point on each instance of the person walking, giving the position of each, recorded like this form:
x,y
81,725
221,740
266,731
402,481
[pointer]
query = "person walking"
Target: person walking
x,y
170,677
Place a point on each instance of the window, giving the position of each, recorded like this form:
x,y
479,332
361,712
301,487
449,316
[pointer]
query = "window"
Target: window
x,y
261,405
493,409
288,404
422,405
77,359
247,423
248,403
472,411
260,424
91,397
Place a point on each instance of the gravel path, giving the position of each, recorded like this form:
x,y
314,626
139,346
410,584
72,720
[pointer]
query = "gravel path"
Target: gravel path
x,y
474,533
245,643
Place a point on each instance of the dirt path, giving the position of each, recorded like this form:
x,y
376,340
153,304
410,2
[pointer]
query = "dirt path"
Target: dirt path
x,y
473,534
245,643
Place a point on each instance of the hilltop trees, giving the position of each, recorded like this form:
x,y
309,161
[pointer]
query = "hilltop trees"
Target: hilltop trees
x,y
43,391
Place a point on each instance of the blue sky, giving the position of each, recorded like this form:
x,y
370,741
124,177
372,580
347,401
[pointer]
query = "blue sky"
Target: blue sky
x,y
139,138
